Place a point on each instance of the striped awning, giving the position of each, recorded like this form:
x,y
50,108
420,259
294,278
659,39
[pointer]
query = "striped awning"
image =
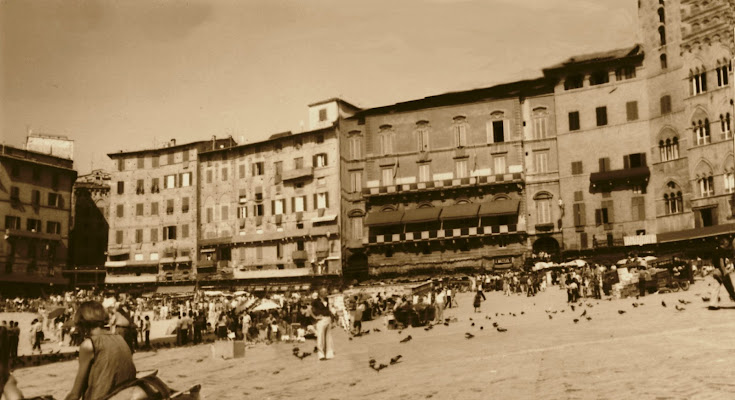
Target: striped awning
x,y
382,218
460,211
499,208
419,215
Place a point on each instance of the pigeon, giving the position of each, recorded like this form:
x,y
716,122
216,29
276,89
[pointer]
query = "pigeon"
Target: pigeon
x,y
446,324
315,349
495,324
468,335
396,359
523,312
399,332
428,328
679,308
513,314
705,299
376,329
371,362
470,318
576,320
502,330
663,303
584,313
572,307
684,301
473,324
563,310
635,305
621,312
381,366
304,355
637,297
481,328
550,317
407,339
589,318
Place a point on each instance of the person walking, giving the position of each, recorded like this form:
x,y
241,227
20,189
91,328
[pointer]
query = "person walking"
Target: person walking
x,y
321,311
439,305
122,324
246,320
478,301
642,278
37,335
147,331
449,297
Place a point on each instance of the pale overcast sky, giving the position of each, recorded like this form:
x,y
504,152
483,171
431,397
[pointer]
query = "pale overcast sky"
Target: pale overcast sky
x,y
123,75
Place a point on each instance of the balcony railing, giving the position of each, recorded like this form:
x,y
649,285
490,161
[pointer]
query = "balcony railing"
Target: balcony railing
x,y
300,173
627,176
300,255
456,233
444,184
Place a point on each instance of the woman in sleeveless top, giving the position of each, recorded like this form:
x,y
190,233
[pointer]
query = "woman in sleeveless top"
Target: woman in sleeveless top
x,y
105,361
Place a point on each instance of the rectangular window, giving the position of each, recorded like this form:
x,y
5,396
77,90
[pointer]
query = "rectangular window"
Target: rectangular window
x,y
224,174
601,113
574,82
601,216
583,240
169,181
154,186
279,250
460,135
170,158
54,200
241,171
141,164
706,187
138,236
140,186
154,235
422,139
543,211
599,77
638,208
577,168
355,181
154,208
139,210
53,228
635,160
387,175
499,163
242,212
186,179
33,225
626,72
665,104
210,176
12,222
118,237
299,204
386,143
541,161
278,168
424,172
298,162
14,193
604,163
320,160
169,232
322,114
120,210
498,131
279,207
184,230
155,161
120,187
258,210
169,206
36,198
184,205
355,149
539,126
259,253
121,164
258,168
185,155
460,168
579,195
322,200
574,121
210,215
631,110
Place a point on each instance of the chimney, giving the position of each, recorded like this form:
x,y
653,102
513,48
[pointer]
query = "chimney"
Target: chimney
x,y
214,142
172,143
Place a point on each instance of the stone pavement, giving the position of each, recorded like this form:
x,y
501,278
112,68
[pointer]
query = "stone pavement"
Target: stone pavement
x,y
647,352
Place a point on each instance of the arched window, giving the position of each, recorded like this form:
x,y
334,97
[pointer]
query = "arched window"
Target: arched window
x,y
702,131
459,129
664,63
386,139
661,16
706,186
356,226
662,35
698,78
723,74
669,148
673,199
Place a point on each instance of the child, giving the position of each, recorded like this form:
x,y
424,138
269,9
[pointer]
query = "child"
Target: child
x,y
478,301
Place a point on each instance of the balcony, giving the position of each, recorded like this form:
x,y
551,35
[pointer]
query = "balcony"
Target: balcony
x,y
271,273
607,180
32,234
149,278
300,255
442,234
474,181
300,173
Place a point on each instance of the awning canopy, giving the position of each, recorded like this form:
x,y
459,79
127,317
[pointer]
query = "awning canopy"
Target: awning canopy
x,y
419,215
460,211
326,218
174,289
620,174
696,233
184,259
117,252
498,208
381,218
33,279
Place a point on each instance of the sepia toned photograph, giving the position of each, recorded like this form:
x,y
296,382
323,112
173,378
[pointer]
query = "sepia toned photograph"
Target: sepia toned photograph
x,y
412,199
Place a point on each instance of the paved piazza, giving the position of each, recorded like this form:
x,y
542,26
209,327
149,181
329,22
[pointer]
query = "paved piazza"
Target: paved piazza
x,y
648,352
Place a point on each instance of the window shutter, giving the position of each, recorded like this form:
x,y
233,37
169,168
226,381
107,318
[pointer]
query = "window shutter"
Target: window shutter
x,y
273,207
293,204
610,211
704,81
326,200
578,195
506,130
598,217
582,215
326,161
626,161
602,165
643,159
583,240
315,203
489,131
313,161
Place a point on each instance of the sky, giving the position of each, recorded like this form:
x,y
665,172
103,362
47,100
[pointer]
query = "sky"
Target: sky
x,y
128,75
